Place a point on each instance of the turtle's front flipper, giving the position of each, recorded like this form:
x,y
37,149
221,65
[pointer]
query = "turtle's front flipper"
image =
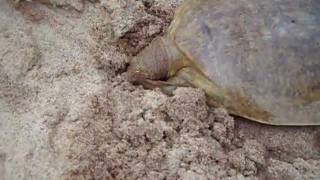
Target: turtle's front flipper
x,y
187,77
166,86
216,95
173,83
151,84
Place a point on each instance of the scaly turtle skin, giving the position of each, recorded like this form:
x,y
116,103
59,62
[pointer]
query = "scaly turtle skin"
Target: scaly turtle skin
x,y
259,59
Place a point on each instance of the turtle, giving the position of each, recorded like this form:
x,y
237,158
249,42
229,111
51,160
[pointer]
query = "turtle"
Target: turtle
x,y
260,60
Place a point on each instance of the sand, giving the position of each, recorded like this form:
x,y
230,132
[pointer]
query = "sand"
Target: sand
x,y
68,112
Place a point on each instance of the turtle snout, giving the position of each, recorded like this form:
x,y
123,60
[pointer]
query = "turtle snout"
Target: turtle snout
x,y
135,75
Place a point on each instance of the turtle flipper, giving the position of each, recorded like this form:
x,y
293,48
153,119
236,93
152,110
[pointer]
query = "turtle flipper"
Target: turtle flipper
x,y
173,83
197,79
168,86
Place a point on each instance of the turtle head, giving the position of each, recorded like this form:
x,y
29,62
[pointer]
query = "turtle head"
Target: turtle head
x,y
152,63
138,73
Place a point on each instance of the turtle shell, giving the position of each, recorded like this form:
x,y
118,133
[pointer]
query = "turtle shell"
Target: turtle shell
x,y
264,52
